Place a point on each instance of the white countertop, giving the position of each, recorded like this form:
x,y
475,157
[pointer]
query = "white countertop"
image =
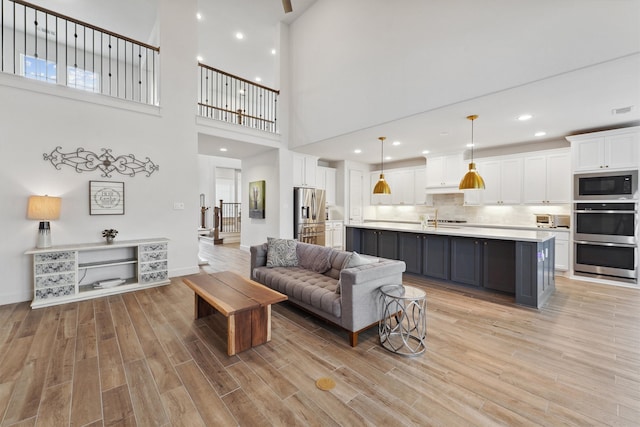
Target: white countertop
x,y
515,227
481,232
477,225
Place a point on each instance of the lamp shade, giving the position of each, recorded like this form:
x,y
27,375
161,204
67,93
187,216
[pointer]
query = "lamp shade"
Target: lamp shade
x,y
472,180
381,186
43,208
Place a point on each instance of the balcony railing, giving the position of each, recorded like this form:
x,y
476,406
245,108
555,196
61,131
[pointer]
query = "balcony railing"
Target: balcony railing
x,y
223,96
41,44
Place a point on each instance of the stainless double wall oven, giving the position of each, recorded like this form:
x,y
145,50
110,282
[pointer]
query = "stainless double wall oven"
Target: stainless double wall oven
x,y
606,225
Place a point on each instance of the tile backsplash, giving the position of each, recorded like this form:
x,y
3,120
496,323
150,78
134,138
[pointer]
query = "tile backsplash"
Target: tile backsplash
x,y
451,206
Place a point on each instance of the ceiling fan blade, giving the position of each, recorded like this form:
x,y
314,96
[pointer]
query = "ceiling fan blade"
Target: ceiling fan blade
x,y
286,4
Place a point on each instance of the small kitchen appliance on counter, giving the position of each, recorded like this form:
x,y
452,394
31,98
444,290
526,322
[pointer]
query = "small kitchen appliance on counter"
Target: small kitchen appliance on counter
x,y
552,221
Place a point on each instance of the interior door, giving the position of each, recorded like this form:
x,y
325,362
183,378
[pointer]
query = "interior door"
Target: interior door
x,y
355,196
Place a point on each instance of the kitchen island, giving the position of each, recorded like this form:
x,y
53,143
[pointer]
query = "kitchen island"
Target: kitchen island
x,y
517,262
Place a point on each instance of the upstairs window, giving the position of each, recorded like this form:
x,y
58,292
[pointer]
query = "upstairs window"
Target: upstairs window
x,y
38,69
83,79
43,70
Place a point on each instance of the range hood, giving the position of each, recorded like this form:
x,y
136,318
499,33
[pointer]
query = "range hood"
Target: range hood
x,y
443,190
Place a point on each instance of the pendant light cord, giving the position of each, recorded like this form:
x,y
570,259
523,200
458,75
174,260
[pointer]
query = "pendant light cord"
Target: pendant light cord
x,y
472,143
382,138
472,118
382,156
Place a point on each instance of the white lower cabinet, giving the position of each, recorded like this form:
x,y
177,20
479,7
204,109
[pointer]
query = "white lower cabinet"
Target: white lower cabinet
x,y
562,250
334,234
68,273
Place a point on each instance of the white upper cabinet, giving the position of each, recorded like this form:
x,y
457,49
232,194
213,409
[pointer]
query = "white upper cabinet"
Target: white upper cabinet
x,y
445,171
547,178
502,180
326,180
559,178
420,182
616,149
403,188
304,170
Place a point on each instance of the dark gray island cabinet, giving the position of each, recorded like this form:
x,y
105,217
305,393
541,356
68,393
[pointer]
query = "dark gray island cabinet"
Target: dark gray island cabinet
x,y
511,261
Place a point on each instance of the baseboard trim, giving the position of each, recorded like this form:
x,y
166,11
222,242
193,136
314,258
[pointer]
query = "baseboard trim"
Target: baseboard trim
x,y
177,272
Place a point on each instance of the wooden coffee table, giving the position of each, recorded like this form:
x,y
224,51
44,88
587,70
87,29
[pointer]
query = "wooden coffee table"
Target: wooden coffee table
x,y
246,305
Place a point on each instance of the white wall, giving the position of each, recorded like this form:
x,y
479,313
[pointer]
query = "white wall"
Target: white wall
x,y
34,123
261,167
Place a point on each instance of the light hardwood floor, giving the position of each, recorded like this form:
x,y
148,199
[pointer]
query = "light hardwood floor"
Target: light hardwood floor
x,y
141,359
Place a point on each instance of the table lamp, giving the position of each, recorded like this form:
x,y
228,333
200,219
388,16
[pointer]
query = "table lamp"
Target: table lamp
x,y
44,209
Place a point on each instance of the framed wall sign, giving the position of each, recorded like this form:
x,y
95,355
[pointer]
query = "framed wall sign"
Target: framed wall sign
x,y
256,199
106,198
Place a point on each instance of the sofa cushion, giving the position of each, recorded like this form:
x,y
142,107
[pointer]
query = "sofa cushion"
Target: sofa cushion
x,y
313,257
299,284
339,260
355,260
281,252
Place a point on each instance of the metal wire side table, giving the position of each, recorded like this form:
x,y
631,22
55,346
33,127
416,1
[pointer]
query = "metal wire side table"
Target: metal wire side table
x,y
403,326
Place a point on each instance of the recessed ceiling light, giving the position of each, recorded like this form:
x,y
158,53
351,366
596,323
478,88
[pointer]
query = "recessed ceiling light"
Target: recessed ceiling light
x,y
223,149
541,133
199,58
524,117
388,158
357,151
239,35
258,79
471,144
199,16
396,143
425,151
273,51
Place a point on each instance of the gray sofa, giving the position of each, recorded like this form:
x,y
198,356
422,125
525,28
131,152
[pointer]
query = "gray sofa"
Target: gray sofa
x,y
345,296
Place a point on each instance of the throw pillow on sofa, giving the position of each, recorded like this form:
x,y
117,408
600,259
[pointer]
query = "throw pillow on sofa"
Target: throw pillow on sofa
x,y
355,260
281,252
314,257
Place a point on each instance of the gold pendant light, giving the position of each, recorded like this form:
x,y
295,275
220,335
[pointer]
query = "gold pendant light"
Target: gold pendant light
x,y
381,186
472,180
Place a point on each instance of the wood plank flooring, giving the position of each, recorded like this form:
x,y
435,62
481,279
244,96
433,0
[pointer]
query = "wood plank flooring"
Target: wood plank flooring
x,y
141,359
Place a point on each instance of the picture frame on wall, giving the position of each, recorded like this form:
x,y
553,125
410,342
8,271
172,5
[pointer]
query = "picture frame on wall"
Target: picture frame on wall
x,y
257,199
106,198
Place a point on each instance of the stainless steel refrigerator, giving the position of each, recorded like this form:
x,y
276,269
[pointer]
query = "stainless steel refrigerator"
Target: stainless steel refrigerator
x,y
309,215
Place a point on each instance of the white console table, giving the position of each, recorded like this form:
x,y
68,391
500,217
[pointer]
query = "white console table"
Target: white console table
x,y
68,273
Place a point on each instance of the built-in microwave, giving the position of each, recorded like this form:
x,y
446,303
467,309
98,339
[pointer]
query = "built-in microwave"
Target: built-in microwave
x,y
606,186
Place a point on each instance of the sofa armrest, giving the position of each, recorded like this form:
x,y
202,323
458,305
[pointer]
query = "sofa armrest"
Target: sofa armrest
x,y
258,257
360,294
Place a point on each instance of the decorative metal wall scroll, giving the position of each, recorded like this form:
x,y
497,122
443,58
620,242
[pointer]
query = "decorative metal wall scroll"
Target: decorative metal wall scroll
x,y
86,161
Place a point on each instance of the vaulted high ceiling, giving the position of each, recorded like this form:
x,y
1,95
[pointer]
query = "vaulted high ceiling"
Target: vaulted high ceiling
x,y
412,70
